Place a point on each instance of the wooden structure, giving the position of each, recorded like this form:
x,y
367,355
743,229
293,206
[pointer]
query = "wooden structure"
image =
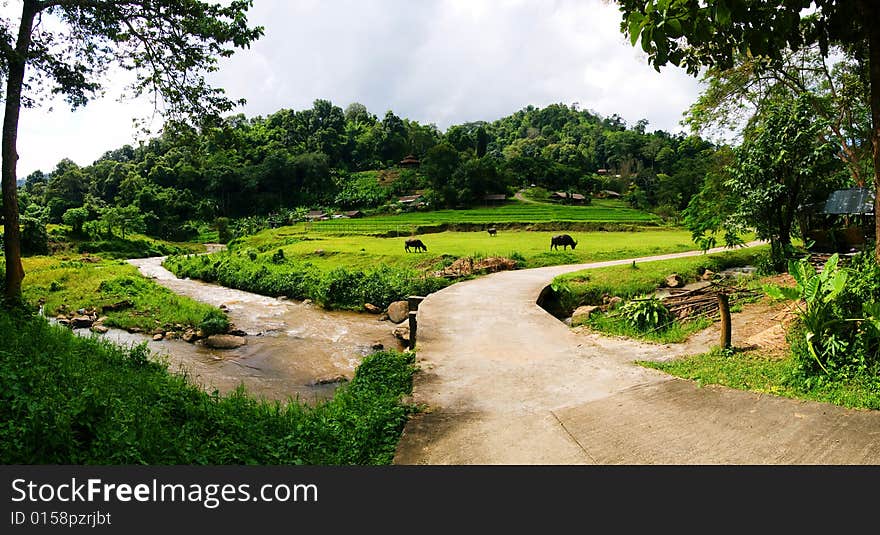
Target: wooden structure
x,y
410,161
843,223
566,197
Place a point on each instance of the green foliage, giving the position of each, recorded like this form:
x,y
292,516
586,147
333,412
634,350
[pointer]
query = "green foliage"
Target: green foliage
x,y
75,218
214,322
838,329
672,333
34,238
72,400
223,232
646,313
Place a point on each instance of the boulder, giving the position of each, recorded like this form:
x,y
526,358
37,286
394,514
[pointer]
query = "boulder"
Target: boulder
x,y
100,329
64,321
614,301
225,341
80,322
708,274
582,314
377,346
674,281
398,311
372,309
158,337
237,332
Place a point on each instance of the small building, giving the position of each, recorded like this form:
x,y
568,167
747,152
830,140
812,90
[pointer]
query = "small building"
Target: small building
x,y
574,198
602,171
495,198
409,161
410,199
843,223
354,214
316,215
608,194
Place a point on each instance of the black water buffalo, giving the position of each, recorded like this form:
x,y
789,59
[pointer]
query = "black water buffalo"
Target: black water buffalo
x,y
492,231
414,244
564,240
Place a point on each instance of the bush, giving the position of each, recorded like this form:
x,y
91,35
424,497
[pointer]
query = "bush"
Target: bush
x,y
646,313
34,238
214,322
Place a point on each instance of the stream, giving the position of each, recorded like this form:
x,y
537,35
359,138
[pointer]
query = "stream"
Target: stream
x,y
290,345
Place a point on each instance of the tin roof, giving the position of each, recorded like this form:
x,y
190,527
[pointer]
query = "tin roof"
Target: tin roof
x,y
850,201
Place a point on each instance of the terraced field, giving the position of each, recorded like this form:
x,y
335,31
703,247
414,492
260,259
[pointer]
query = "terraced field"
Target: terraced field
x,y
513,213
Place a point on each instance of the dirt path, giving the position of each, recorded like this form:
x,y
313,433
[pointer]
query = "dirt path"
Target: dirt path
x,y
506,383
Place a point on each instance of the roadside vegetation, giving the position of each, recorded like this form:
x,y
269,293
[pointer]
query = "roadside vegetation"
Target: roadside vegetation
x,y
66,399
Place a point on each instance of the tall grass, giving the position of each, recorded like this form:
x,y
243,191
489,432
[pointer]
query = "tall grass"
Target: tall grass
x,y
65,399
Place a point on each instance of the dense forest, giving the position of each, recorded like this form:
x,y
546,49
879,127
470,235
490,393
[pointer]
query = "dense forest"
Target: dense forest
x,y
330,157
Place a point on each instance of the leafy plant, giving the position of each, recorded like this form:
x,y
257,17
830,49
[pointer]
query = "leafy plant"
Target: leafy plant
x,y
814,295
646,313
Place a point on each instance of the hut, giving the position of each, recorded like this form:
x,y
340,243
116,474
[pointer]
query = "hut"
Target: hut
x,y
572,198
354,214
410,199
843,223
316,215
409,161
494,198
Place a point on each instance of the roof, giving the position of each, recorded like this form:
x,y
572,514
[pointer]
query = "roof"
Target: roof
x,y
409,198
409,159
564,195
495,197
315,213
850,201
610,193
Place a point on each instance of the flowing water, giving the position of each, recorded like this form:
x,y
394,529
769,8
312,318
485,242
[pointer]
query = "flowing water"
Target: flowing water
x,y
289,346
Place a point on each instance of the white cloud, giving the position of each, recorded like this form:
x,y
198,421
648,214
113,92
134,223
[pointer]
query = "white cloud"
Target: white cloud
x,y
434,61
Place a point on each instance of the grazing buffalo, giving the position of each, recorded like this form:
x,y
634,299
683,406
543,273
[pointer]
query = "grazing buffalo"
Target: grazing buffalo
x,y
414,244
564,240
493,231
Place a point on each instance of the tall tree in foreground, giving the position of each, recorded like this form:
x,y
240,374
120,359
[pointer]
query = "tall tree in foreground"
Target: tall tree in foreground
x,y
712,33
65,47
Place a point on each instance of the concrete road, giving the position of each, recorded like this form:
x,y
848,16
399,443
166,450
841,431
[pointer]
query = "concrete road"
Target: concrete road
x,y
506,383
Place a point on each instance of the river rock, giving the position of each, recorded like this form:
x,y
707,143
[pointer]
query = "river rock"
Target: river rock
x,y
158,337
237,332
225,341
189,335
328,380
708,274
100,329
402,333
674,281
377,346
372,309
582,314
398,311
614,301
79,322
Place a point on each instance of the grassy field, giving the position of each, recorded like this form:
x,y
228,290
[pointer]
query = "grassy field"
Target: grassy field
x,y
68,283
513,213
532,248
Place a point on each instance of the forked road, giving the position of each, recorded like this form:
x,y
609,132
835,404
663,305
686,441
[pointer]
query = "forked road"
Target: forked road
x,y
506,383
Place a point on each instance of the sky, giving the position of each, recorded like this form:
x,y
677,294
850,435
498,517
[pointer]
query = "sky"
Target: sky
x,y
433,61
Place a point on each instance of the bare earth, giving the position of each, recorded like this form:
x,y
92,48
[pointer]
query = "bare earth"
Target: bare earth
x,y
506,383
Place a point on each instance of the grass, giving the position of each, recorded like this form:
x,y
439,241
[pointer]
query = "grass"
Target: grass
x,y
66,399
68,283
758,372
512,213
673,333
587,287
532,246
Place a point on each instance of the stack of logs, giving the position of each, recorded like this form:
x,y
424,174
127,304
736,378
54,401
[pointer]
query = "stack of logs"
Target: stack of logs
x,y
702,301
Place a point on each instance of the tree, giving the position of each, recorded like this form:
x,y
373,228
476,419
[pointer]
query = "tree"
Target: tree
x,y
714,33
167,44
783,163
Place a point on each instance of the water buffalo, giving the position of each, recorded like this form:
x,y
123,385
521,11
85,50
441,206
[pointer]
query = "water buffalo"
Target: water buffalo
x,y
492,231
564,240
414,244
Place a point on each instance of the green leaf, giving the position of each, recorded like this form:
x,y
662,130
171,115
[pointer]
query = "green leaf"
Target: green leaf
x,y
635,27
811,290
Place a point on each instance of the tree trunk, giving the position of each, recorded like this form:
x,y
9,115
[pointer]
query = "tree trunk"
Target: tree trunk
x,y
17,61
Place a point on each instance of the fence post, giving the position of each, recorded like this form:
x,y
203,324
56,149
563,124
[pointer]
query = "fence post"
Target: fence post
x,y
724,310
413,302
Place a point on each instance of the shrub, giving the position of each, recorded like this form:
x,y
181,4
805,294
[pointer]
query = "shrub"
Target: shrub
x,y
278,257
34,238
646,313
214,322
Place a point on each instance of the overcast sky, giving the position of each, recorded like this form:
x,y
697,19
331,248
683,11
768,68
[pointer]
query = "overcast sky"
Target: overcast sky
x,y
433,61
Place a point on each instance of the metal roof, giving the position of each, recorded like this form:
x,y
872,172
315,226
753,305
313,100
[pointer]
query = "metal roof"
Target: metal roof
x,y
850,201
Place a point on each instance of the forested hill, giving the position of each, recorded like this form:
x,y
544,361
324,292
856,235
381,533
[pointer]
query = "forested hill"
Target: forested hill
x,y
327,156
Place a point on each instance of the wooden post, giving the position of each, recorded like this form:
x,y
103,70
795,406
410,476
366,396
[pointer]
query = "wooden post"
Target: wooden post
x,y
724,310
